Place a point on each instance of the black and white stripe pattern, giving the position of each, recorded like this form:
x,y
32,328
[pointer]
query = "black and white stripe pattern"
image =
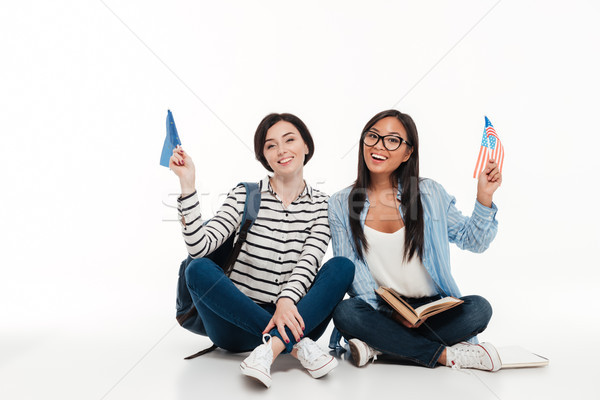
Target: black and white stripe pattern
x,y
283,250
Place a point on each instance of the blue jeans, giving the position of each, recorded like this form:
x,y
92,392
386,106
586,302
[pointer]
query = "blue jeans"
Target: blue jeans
x,y
235,322
423,345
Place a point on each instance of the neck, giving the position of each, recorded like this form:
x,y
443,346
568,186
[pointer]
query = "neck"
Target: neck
x,y
381,182
288,187
381,191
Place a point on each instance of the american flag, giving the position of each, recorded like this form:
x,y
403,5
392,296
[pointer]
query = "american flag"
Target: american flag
x,y
491,148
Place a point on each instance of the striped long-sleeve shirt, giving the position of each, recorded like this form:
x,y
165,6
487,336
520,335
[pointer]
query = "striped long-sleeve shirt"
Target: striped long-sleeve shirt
x,y
283,250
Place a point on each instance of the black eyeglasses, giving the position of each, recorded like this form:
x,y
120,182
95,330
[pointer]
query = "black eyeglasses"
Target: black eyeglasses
x,y
390,142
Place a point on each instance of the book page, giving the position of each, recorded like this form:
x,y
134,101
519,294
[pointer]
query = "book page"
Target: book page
x,y
442,303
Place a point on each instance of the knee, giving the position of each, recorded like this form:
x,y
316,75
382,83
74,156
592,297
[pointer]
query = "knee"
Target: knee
x,y
201,271
342,269
481,308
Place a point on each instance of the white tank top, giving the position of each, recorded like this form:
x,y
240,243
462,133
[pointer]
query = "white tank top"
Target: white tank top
x,y
385,260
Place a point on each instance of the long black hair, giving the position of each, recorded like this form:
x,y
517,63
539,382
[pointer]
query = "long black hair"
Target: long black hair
x,y
408,176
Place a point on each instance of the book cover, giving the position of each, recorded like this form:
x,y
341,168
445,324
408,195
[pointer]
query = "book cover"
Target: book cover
x,y
518,357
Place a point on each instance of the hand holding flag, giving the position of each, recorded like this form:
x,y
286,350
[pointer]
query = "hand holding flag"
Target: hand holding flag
x,y
491,148
488,182
176,159
171,141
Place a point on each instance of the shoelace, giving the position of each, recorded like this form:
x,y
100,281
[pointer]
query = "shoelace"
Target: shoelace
x,y
371,354
466,355
264,353
266,337
310,351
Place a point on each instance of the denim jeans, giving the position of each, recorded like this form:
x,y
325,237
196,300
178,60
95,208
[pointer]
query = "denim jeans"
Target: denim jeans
x,y
235,322
423,345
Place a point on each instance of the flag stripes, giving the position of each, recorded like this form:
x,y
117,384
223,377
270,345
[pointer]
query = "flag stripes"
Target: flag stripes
x,y
491,148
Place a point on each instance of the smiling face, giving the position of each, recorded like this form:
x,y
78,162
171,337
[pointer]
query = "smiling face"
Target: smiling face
x,y
284,149
381,161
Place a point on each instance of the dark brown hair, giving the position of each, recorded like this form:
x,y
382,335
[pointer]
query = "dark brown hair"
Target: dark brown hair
x,y
267,122
407,175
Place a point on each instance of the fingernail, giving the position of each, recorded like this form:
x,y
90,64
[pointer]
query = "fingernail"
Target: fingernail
x,y
287,341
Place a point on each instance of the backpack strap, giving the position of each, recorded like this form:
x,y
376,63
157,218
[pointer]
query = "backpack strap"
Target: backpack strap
x,y
202,352
251,208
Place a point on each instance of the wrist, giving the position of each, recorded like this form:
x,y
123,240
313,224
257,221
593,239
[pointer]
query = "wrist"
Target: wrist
x,y
285,300
484,199
187,189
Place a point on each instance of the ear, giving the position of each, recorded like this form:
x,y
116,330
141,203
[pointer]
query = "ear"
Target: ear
x,y
306,149
407,154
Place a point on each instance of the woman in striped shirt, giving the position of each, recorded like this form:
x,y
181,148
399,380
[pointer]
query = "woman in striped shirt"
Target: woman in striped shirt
x,y
276,293
396,228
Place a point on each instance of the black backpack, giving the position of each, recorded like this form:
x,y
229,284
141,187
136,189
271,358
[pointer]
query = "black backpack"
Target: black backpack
x,y
224,256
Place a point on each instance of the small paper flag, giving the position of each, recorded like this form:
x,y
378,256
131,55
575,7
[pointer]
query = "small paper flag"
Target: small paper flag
x,y
171,141
491,148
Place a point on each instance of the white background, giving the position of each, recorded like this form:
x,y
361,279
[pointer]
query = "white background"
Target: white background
x,y
90,248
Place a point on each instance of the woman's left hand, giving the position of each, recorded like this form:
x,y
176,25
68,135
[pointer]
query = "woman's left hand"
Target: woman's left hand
x,y
489,181
286,314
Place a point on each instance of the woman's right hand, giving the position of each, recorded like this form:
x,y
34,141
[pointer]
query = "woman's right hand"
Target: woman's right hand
x,y
183,166
286,314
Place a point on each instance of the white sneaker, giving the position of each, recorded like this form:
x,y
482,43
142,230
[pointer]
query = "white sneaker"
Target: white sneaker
x,y
362,352
479,356
258,364
314,359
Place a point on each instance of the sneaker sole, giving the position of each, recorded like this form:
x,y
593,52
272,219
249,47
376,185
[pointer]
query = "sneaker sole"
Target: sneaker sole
x,y
256,374
355,352
323,370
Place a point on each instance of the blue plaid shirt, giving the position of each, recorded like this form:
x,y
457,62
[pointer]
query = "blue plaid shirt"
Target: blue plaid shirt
x,y
444,224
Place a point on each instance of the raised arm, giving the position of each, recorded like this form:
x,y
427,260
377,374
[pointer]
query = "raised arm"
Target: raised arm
x,y
475,233
489,181
202,239
183,166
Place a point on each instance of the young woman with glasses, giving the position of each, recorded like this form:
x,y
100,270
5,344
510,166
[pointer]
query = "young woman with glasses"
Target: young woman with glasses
x,y
277,299
396,228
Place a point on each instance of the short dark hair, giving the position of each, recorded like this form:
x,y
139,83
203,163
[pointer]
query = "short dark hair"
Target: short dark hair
x,y
267,122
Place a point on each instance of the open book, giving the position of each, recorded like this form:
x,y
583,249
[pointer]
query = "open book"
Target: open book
x,y
518,357
415,317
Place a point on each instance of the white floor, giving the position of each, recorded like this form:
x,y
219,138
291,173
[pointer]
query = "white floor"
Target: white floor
x,y
144,359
